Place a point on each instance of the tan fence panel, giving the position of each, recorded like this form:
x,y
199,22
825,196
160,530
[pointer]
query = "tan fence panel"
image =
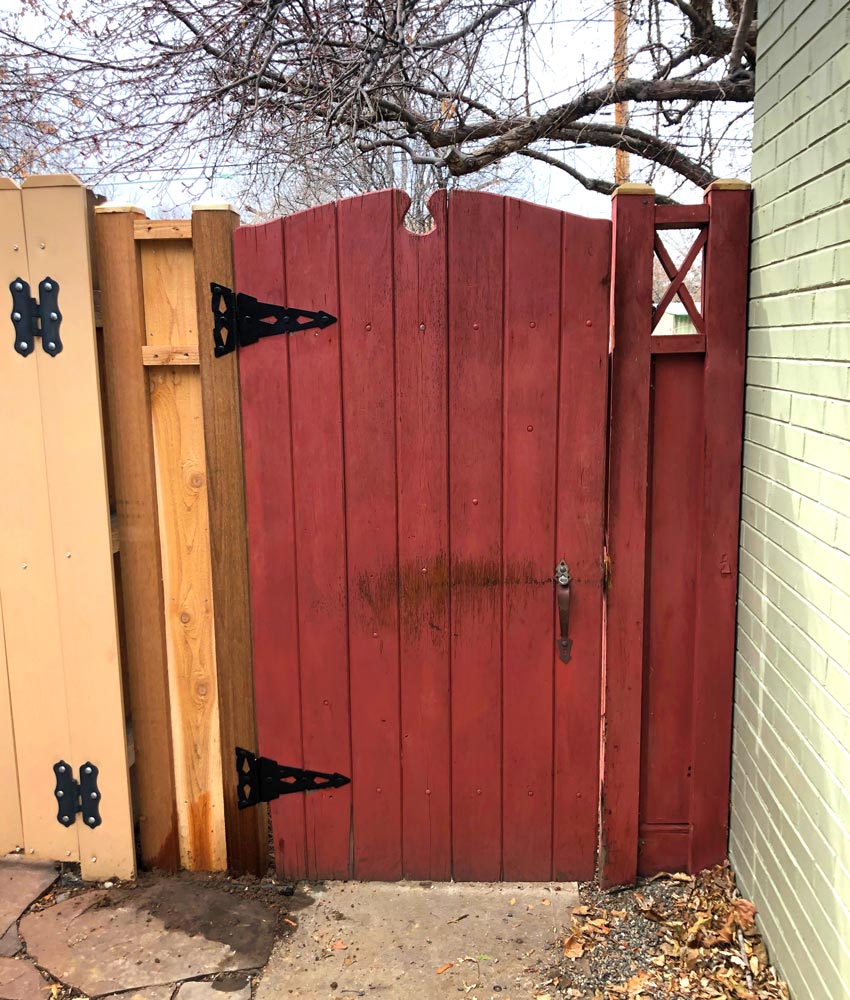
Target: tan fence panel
x,y
33,640
56,574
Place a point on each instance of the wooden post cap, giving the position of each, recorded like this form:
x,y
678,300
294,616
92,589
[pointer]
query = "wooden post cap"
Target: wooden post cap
x,y
52,181
116,206
729,184
633,188
213,206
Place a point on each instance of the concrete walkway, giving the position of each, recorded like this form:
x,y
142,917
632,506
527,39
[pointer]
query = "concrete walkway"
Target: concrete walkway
x,y
395,941
197,937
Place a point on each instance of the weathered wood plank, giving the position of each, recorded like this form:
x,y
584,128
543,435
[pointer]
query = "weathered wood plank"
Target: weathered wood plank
x,y
177,354
681,216
264,382
583,417
56,219
246,830
529,474
171,318
634,218
367,339
724,297
162,229
134,488
677,343
476,334
421,322
311,271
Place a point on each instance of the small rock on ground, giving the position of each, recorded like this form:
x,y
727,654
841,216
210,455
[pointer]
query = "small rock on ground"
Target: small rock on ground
x,y
21,980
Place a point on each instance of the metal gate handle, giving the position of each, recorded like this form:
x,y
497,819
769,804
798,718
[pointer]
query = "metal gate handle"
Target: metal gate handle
x,y
562,585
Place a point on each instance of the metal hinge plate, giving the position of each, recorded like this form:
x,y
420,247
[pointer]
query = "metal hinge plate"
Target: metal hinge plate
x,y
240,319
74,797
36,318
260,779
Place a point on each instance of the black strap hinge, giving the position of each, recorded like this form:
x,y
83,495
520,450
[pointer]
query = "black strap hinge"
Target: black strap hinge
x,y
240,319
36,318
74,797
261,779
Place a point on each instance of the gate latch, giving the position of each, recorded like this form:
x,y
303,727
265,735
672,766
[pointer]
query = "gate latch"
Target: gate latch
x,y
261,779
562,584
36,318
239,319
74,797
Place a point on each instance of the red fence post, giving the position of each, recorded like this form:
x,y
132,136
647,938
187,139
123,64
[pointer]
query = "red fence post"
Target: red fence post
x,y
724,306
633,214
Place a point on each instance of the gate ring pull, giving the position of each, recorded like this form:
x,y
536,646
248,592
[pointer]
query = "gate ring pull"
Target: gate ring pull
x,y
562,584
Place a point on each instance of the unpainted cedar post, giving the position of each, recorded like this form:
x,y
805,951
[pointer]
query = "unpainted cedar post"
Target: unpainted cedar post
x,y
212,243
724,306
122,310
633,215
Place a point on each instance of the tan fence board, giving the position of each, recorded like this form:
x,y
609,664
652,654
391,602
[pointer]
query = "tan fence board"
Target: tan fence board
x,y
33,641
11,831
57,236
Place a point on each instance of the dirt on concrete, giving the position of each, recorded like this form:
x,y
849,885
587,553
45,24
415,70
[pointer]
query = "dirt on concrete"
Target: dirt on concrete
x,y
422,941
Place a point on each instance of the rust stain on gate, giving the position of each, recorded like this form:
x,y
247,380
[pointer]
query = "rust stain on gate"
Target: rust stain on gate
x,y
422,587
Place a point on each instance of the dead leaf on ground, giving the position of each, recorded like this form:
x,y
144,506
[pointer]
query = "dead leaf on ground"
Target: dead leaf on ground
x,y
339,946
647,908
573,946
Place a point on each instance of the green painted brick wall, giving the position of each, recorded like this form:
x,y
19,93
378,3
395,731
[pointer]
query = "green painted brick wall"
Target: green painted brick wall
x,y
790,830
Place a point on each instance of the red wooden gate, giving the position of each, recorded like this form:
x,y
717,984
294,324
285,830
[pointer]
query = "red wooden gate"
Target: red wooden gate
x,y
414,473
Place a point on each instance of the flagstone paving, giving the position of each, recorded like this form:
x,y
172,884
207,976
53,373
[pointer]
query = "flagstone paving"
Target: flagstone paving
x,y
105,941
21,980
21,881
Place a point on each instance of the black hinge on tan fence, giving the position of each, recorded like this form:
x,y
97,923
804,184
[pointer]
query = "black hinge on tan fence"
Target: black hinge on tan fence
x,y
260,779
240,319
74,797
36,318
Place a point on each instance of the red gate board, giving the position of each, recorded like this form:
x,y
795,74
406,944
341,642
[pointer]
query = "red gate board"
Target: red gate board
x,y
414,473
